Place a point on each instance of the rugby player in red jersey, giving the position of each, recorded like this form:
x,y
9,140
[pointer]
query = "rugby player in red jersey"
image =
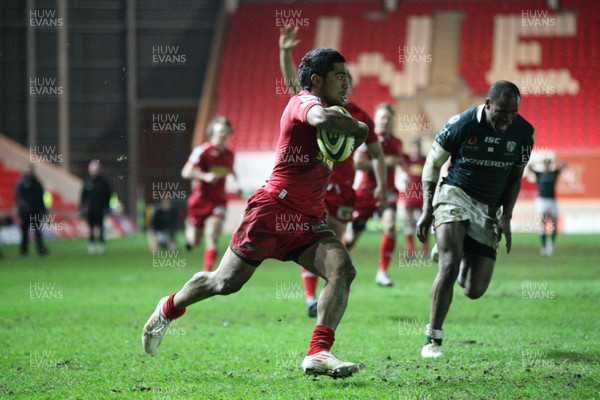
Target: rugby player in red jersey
x,y
208,167
366,203
285,219
340,197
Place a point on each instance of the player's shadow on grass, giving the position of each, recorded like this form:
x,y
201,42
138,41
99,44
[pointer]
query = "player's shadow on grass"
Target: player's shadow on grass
x,y
573,357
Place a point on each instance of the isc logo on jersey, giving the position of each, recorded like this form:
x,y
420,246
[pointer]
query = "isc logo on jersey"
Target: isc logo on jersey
x,y
335,147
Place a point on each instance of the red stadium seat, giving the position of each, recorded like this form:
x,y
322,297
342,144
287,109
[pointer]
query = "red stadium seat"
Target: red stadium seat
x,y
250,67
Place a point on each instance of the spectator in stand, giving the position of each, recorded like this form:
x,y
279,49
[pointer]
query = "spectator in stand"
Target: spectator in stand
x,y
95,200
32,211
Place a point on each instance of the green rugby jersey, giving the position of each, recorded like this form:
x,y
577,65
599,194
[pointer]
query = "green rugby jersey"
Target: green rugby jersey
x,y
482,158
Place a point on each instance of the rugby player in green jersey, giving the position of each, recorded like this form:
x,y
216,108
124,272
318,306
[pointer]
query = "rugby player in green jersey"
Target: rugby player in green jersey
x,y
489,146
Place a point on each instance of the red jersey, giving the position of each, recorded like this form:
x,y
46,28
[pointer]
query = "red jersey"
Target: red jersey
x,y
301,172
209,158
414,190
343,172
391,147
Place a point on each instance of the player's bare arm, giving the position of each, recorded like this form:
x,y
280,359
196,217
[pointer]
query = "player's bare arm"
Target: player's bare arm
x,y
392,161
190,171
431,173
378,166
336,122
236,183
362,162
287,42
400,164
562,166
509,199
530,168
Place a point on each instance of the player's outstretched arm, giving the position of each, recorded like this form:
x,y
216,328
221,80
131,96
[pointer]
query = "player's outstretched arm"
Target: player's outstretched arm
x,y
530,169
561,166
508,201
431,173
378,165
287,42
337,122
190,171
362,162
236,183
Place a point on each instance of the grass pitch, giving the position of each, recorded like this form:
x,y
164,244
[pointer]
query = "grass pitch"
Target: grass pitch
x,y
70,326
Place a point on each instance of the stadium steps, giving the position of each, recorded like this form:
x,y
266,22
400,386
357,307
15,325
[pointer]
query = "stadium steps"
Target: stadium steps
x,y
446,50
64,186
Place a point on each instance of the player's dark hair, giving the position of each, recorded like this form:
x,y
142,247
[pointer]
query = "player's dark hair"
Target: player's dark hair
x,y
386,106
218,120
500,88
317,61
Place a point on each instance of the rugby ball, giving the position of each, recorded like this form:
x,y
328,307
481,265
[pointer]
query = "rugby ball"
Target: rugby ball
x,y
335,147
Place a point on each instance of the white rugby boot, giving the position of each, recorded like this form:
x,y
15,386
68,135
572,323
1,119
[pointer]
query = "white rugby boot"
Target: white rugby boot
x,y
383,279
155,329
549,248
431,350
100,248
325,363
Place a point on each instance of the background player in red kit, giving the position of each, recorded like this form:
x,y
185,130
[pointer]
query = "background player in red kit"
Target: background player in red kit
x,y
340,197
413,165
366,203
208,167
294,192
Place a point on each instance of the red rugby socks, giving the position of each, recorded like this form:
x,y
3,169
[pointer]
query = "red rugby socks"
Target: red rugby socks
x,y
410,245
386,251
210,255
349,245
169,310
322,339
310,281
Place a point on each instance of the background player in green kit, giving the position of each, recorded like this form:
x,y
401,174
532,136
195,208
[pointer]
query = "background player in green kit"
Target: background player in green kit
x,y
545,202
489,146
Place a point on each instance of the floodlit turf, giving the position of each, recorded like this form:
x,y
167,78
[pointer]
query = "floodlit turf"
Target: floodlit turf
x,y
70,325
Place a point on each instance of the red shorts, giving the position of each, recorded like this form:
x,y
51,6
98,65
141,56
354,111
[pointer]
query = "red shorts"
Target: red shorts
x,y
199,209
340,201
271,230
366,203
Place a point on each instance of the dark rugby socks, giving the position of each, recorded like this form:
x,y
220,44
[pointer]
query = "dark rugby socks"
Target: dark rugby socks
x,y
433,335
